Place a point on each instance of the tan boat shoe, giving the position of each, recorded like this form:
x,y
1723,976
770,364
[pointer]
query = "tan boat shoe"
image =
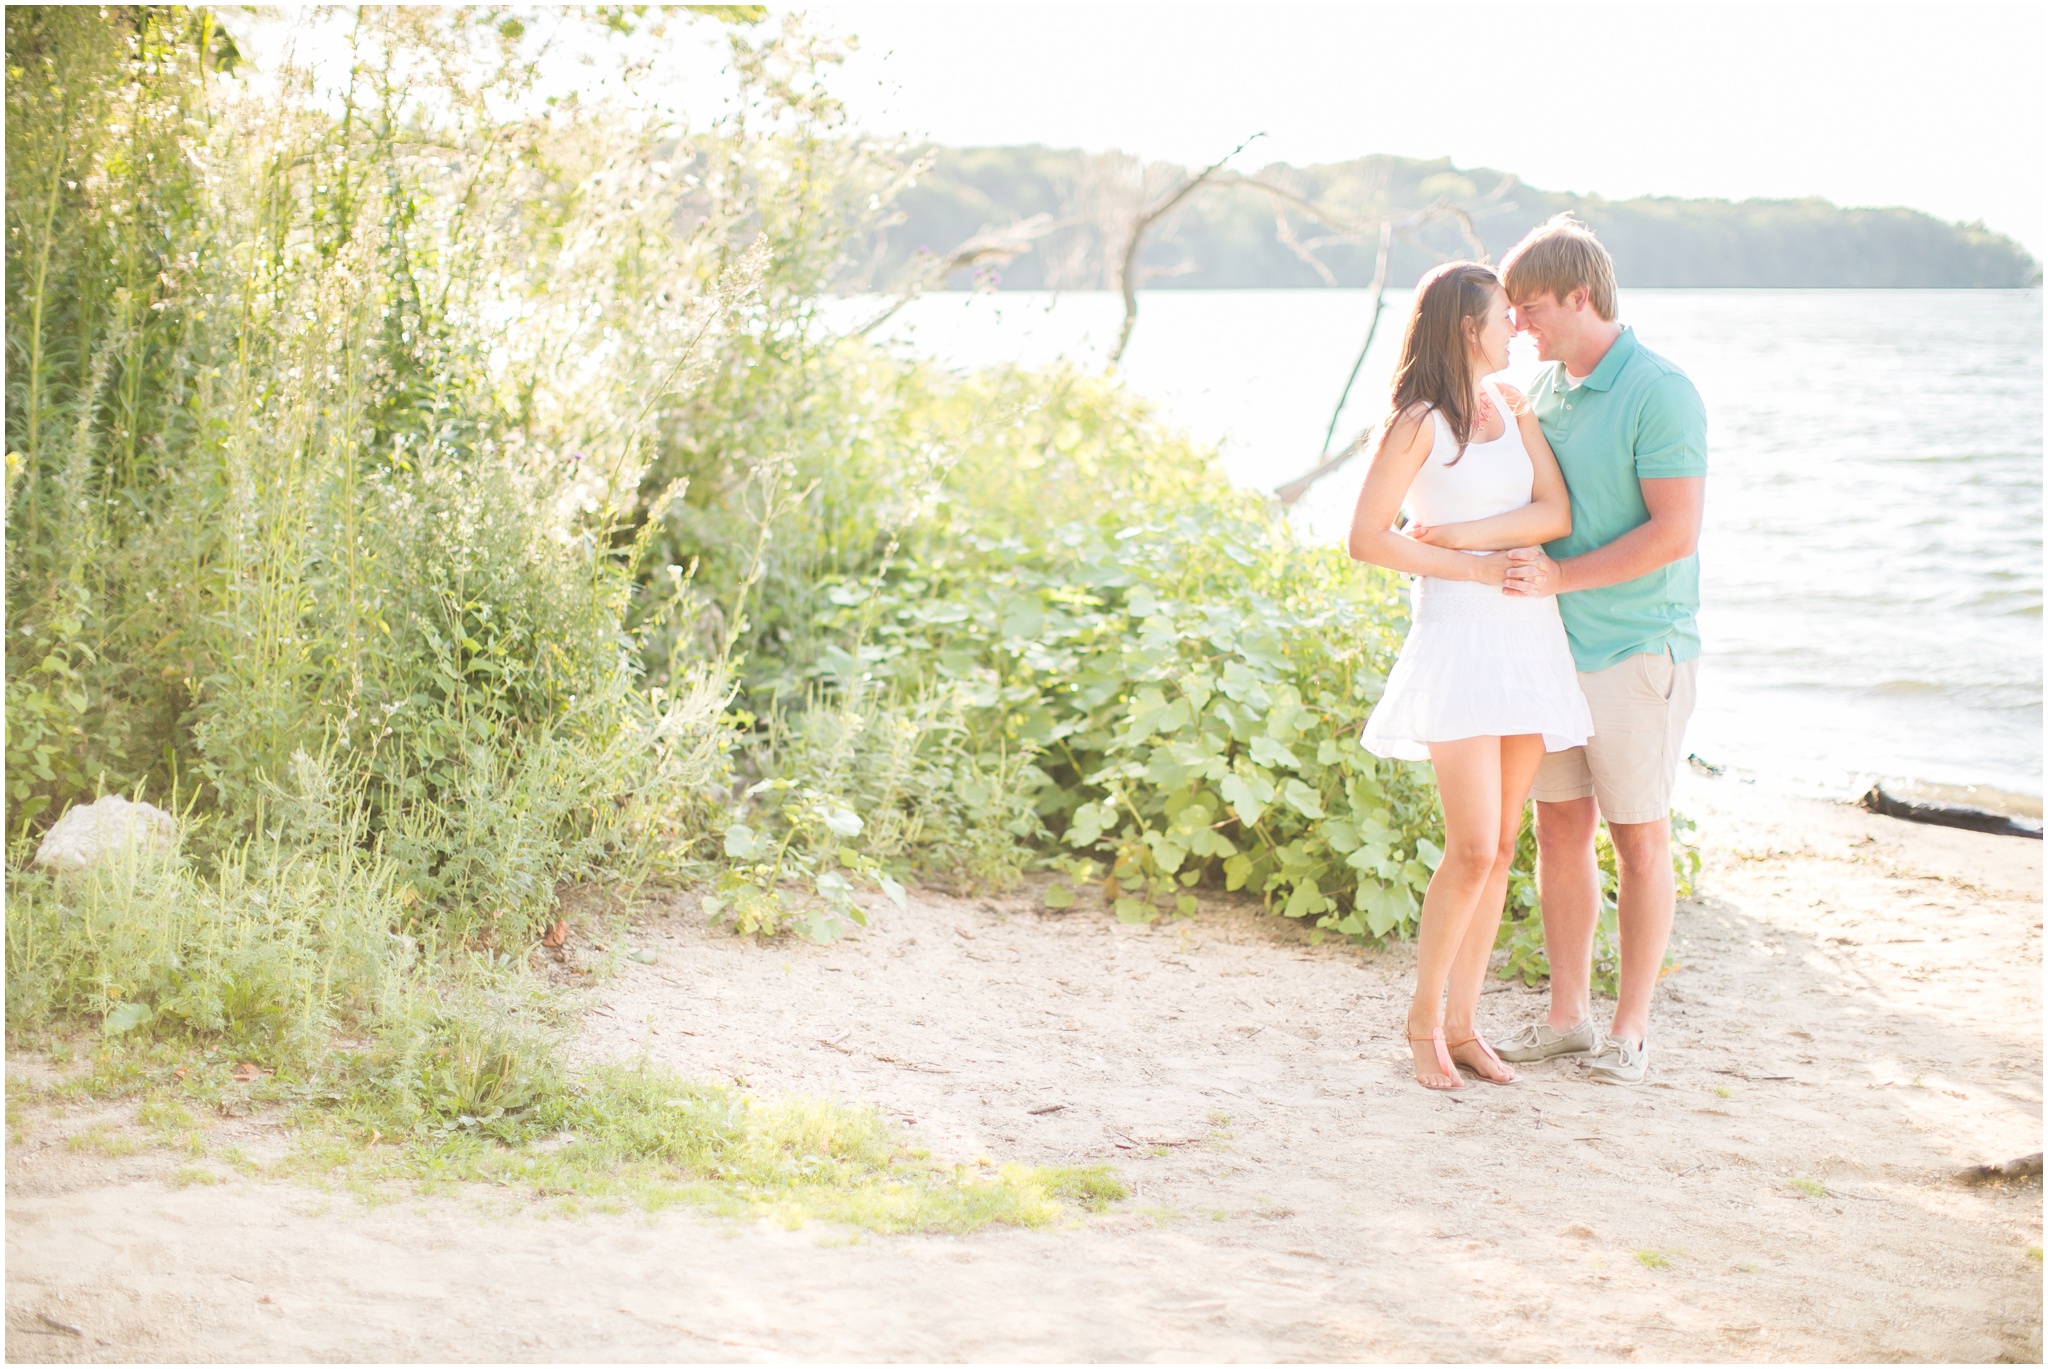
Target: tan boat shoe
x,y
1540,1041
1618,1062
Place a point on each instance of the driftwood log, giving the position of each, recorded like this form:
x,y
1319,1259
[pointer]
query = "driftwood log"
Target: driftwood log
x,y
1948,815
2026,1167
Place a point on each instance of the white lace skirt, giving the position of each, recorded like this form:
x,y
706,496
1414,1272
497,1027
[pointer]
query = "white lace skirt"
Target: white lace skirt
x,y
1479,663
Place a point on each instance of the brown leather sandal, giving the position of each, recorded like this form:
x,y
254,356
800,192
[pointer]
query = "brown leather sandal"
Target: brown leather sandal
x,y
1450,1077
1487,1051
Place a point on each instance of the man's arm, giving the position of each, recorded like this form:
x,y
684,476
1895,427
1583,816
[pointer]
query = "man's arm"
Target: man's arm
x,y
1677,504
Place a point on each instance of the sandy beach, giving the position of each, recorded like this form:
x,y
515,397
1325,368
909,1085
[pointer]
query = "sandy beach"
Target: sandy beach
x,y
1855,1016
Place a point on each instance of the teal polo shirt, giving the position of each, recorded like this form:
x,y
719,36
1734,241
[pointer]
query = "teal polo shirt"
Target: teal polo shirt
x,y
1637,417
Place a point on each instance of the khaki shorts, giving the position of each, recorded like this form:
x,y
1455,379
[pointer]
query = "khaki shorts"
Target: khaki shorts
x,y
1640,708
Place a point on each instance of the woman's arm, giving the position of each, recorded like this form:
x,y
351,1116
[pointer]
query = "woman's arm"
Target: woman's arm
x,y
1402,451
1545,518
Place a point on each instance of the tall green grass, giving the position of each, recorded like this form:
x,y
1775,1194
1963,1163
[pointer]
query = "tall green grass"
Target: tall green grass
x,y
329,427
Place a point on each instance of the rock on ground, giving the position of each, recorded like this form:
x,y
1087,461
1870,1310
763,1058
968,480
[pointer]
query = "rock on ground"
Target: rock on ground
x,y
89,833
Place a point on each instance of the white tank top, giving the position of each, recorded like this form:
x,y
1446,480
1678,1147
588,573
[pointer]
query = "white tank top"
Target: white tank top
x,y
1493,477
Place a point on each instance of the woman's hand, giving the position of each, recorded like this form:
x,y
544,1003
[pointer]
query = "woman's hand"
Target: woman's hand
x,y
1491,569
1443,535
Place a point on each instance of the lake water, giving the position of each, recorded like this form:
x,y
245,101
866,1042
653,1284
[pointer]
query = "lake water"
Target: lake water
x,y
1871,565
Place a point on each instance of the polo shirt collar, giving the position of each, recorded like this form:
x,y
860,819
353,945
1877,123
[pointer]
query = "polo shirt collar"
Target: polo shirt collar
x,y
1610,365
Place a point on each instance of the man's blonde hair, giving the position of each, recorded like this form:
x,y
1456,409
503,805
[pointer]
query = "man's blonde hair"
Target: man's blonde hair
x,y
1557,257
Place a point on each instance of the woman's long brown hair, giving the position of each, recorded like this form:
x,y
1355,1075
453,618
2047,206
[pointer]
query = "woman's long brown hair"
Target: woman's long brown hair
x,y
1436,366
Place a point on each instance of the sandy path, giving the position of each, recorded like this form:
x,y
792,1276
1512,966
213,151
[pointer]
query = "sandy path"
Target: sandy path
x,y
1297,1198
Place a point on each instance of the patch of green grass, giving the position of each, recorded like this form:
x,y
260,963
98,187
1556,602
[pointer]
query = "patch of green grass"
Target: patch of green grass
x,y
103,1140
2034,1253
1654,1259
1094,1187
1810,1187
1721,1091
175,1127
461,1092
625,1137
188,1175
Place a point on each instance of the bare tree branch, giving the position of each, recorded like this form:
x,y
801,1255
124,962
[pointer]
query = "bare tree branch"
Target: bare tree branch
x,y
1294,489
989,245
1283,228
1127,274
1379,299
1291,492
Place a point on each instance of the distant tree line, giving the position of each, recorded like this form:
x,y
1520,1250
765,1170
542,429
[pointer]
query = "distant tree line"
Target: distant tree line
x,y
1286,226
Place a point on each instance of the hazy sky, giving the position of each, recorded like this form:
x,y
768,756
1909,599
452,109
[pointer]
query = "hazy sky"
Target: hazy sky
x,y
1938,108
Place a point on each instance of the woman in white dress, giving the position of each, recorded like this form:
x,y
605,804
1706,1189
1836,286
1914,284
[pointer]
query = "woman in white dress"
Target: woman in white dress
x,y
1485,682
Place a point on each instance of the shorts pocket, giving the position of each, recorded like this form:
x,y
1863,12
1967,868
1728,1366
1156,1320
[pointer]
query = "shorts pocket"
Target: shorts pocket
x,y
1660,673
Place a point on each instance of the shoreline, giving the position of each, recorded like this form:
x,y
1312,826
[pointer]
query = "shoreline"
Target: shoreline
x,y
1985,797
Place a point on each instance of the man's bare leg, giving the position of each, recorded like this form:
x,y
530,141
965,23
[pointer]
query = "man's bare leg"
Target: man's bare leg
x,y
1648,897
1568,884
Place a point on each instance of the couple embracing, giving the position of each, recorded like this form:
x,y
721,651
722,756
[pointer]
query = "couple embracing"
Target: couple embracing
x,y
1552,649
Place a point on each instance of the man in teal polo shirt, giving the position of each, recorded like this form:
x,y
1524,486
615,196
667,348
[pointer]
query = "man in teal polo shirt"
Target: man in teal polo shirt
x,y
1631,436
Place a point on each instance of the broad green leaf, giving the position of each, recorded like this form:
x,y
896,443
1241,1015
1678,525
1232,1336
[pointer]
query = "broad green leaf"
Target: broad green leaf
x,y
741,842
1302,799
1366,858
841,822
1059,894
1149,710
1023,619
1236,871
1166,852
1266,751
1385,906
1242,685
1238,793
126,1017
1429,852
894,891
1305,900
1133,910
1188,814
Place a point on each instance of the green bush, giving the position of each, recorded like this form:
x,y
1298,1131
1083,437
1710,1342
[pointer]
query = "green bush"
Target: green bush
x,y
1174,682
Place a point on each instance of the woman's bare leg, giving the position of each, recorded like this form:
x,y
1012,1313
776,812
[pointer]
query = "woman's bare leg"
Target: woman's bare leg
x,y
1519,757
1468,775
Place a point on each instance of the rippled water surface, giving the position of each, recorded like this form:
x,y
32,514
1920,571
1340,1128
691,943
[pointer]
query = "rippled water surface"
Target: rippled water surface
x,y
1871,567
